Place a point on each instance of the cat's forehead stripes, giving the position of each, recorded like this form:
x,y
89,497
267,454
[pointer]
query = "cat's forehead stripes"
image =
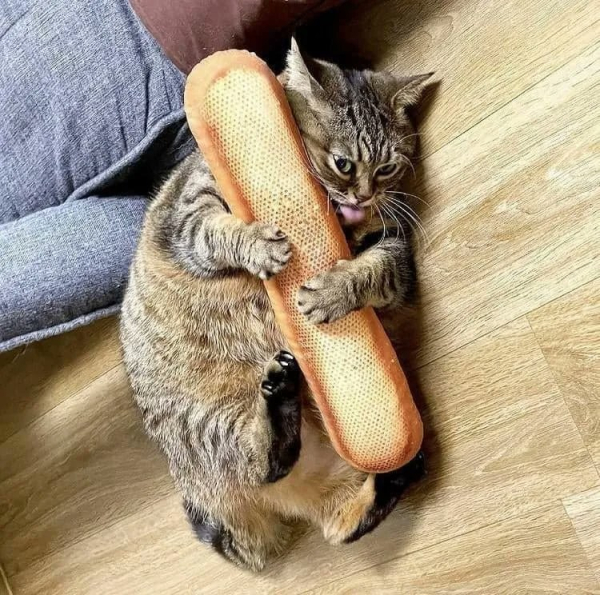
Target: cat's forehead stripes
x,y
368,124
370,142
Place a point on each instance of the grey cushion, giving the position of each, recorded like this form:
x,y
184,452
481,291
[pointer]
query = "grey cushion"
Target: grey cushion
x,y
65,266
91,119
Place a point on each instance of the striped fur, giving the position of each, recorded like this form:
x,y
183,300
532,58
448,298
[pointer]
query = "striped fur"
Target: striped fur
x,y
206,359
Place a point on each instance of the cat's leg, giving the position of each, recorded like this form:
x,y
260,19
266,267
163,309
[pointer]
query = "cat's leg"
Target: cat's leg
x,y
198,230
225,450
248,437
348,514
243,533
212,241
233,520
382,276
280,388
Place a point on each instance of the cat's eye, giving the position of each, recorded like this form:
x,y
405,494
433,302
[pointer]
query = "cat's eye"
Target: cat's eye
x,y
387,170
343,165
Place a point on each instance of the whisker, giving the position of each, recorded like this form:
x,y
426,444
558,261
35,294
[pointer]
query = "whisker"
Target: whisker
x,y
409,163
409,136
409,194
384,227
397,214
397,201
399,223
311,168
316,175
410,218
412,215
399,227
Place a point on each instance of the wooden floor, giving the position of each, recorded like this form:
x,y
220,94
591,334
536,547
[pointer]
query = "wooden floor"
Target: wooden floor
x,y
508,356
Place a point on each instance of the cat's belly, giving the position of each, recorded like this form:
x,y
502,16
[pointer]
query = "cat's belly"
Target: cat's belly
x,y
236,321
244,328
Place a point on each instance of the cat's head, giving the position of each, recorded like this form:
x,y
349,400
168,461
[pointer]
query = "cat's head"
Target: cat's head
x,y
355,128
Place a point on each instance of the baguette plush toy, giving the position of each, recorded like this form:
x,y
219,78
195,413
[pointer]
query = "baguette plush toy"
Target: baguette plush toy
x,y
240,118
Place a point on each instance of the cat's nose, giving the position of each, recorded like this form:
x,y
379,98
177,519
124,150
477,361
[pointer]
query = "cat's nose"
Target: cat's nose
x,y
363,197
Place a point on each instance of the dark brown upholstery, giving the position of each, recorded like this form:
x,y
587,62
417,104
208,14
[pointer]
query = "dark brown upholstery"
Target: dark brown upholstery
x,y
189,30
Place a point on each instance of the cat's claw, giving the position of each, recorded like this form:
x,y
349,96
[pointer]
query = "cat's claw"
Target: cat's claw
x,y
269,250
328,296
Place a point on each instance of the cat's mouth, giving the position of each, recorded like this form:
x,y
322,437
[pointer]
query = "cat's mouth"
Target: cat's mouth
x,y
349,214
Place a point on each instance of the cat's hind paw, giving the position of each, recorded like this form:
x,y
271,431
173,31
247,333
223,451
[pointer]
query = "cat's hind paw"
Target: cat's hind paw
x,y
280,386
280,378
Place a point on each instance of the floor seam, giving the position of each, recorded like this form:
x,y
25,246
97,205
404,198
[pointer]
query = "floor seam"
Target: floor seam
x,y
545,505
562,395
4,581
76,393
501,326
90,535
591,568
500,107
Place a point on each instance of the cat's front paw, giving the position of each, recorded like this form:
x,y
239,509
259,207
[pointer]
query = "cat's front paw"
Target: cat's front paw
x,y
328,296
268,250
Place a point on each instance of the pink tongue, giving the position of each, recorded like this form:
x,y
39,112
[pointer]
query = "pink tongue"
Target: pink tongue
x,y
352,214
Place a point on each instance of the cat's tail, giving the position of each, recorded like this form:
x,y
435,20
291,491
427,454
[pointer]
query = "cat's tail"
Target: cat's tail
x,y
224,541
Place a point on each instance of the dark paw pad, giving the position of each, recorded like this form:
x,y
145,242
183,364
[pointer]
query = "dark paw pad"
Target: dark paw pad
x,y
388,489
392,485
281,376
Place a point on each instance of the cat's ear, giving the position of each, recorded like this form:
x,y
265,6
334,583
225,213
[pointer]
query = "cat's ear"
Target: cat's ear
x,y
299,80
400,92
297,75
410,90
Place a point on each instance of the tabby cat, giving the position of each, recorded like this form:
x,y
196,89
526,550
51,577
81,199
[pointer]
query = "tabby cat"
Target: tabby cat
x,y
209,368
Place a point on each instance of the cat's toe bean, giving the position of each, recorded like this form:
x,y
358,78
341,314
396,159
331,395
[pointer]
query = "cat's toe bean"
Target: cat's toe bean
x,y
267,388
289,364
281,376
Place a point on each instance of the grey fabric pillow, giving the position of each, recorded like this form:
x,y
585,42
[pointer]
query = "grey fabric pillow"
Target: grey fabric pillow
x,y
91,117
65,266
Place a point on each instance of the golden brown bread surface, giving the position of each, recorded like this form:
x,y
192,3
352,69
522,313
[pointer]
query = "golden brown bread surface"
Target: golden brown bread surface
x,y
240,118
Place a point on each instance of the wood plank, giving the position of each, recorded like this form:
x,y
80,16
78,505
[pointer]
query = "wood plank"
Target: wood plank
x,y
501,443
86,505
516,205
149,551
484,52
39,376
80,467
568,331
5,588
584,511
536,553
